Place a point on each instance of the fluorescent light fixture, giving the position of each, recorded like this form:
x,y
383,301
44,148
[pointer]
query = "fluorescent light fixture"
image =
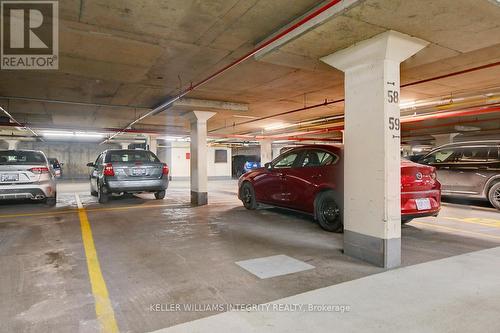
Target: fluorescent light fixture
x,y
407,104
276,126
72,135
175,138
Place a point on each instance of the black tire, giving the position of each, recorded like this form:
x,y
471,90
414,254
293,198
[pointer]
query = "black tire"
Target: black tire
x,y
160,195
328,212
494,195
406,220
247,195
52,201
102,195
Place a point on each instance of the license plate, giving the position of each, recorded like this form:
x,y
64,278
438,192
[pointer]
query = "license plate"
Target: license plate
x,y
138,172
9,178
423,204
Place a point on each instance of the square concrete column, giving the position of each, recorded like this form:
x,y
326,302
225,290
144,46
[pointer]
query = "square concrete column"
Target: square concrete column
x,y
12,144
443,139
153,145
372,184
199,178
266,151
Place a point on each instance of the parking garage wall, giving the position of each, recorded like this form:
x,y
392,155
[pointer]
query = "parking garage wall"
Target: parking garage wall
x,y
75,156
177,155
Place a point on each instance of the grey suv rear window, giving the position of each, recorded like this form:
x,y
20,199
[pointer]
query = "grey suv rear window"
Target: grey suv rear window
x,y
130,156
21,157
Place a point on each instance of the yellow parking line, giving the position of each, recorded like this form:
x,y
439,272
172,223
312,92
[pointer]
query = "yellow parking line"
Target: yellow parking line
x,y
457,230
475,220
135,207
70,211
103,307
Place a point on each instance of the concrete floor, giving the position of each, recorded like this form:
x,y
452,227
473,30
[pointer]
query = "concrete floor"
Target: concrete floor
x,y
165,252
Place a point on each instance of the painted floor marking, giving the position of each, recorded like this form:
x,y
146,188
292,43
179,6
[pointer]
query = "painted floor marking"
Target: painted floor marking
x,y
103,308
474,220
457,230
272,266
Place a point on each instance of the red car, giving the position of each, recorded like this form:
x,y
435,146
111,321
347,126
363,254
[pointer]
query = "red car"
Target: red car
x,y
309,179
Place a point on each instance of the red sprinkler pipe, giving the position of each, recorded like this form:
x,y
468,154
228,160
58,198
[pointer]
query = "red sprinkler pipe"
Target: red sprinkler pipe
x,y
238,61
463,113
326,102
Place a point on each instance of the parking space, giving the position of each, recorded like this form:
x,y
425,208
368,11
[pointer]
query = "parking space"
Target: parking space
x,y
200,166
167,252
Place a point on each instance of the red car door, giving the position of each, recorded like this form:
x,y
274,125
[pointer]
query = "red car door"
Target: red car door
x,y
314,171
270,185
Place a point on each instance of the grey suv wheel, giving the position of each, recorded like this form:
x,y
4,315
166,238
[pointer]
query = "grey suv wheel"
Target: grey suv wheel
x,y
160,195
102,195
494,195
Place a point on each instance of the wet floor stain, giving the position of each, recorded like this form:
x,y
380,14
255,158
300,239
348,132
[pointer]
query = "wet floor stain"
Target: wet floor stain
x,y
54,258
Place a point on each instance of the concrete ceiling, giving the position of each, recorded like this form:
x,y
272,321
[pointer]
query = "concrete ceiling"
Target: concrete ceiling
x,y
137,53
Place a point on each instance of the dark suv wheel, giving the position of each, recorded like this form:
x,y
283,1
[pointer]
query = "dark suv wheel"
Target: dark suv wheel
x,y
328,212
160,195
102,194
494,195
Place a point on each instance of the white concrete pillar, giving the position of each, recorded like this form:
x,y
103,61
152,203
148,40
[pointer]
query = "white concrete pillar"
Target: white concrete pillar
x,y
266,151
198,158
12,144
372,184
124,145
407,150
153,145
275,152
442,139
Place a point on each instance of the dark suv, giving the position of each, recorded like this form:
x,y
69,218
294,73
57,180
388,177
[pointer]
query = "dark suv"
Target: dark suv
x,y
468,169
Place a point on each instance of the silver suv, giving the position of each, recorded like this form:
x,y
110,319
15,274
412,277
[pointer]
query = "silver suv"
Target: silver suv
x,y
26,174
468,169
127,171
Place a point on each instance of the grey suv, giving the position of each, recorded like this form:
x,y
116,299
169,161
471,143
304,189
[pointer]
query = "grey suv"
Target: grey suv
x,y
468,169
127,171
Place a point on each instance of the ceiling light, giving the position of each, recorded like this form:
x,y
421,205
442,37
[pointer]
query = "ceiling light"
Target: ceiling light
x,y
407,104
72,135
276,126
175,138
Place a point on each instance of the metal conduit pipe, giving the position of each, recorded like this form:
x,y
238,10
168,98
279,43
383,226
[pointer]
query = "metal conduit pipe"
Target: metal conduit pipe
x,y
439,105
18,124
326,102
462,113
248,55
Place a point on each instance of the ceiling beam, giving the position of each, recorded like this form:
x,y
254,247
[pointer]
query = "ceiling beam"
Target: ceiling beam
x,y
206,104
338,8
